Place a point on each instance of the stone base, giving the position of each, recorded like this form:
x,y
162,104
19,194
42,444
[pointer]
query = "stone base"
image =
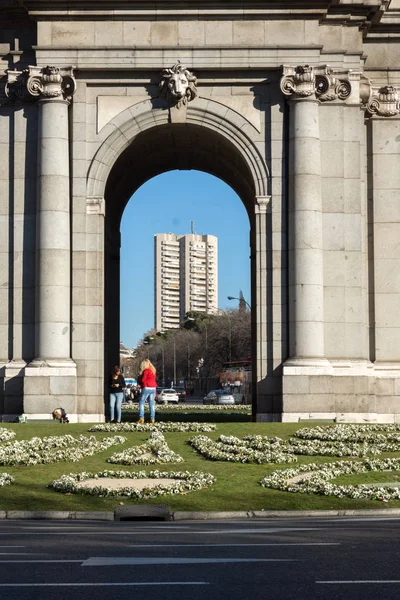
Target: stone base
x,y
34,390
73,418
342,391
341,417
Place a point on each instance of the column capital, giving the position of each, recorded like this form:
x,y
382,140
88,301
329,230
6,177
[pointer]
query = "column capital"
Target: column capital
x,y
45,83
383,101
321,82
263,204
95,205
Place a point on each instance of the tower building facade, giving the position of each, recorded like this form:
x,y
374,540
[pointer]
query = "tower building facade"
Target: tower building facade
x,y
186,277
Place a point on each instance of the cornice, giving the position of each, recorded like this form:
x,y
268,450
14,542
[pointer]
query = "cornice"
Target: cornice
x,y
336,11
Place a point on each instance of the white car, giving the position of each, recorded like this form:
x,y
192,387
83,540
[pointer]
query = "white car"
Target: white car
x,y
219,397
168,395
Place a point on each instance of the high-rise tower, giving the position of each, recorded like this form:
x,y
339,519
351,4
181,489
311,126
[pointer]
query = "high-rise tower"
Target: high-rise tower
x,y
186,277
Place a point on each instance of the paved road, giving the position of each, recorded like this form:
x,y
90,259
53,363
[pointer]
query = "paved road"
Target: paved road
x,y
267,559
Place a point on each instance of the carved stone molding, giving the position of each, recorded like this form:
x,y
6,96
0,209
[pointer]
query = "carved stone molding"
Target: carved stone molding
x,y
95,205
325,83
41,82
299,81
178,85
263,205
384,101
330,87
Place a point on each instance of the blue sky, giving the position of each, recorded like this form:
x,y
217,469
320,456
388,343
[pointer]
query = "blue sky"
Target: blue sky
x,y
168,203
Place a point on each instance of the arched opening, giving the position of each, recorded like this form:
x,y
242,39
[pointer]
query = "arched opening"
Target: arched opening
x,y
185,266
152,152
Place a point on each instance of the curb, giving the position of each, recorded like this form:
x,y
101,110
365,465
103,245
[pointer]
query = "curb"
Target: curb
x,y
194,516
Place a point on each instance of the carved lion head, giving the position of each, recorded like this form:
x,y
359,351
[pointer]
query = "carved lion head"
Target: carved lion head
x,y
178,85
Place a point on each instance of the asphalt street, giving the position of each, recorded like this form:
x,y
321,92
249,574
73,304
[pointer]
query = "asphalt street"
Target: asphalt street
x,y
275,559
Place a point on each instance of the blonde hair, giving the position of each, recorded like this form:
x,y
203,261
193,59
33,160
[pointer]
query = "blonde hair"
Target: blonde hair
x,y
146,364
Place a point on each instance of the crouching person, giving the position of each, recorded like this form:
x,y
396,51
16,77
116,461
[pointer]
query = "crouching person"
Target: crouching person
x,y
60,415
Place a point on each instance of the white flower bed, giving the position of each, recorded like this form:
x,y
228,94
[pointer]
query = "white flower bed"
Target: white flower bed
x,y
262,449
54,449
169,427
6,434
371,433
155,451
316,479
193,407
233,449
6,479
317,447
185,482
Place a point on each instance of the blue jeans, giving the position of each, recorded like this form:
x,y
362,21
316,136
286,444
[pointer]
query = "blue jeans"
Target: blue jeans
x,y
115,402
149,393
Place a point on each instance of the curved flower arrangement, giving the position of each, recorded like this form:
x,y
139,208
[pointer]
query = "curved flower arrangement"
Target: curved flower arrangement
x,y
232,449
316,479
262,449
6,479
190,407
371,433
6,434
54,449
186,482
169,427
315,447
155,451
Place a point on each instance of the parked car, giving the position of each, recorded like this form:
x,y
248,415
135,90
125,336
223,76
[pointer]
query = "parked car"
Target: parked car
x,y
168,395
181,393
219,397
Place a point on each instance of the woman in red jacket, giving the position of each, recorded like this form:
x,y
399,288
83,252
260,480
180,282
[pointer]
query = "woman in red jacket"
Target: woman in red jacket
x,y
147,380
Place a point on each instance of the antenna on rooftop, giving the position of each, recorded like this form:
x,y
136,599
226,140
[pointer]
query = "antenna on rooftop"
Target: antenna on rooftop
x,y
192,227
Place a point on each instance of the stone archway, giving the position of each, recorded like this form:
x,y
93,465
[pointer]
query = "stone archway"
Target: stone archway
x,y
142,143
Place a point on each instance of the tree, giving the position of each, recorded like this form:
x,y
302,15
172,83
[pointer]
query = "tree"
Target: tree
x,y
200,347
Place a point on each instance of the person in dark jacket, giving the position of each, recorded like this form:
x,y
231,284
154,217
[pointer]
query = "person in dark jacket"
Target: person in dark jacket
x,y
60,415
116,385
148,384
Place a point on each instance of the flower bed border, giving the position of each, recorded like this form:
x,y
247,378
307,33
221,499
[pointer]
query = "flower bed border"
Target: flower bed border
x,y
171,427
189,482
318,479
6,479
191,407
52,449
6,434
156,446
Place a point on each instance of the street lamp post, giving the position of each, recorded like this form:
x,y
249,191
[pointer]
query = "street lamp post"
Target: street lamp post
x,y
162,356
206,342
230,332
174,362
161,334
240,300
147,342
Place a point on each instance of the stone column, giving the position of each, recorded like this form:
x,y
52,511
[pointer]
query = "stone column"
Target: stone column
x,y
53,271
262,207
306,301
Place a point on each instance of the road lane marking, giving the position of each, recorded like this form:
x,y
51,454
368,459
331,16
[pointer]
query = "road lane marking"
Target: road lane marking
x,y
26,562
357,581
149,532
98,561
136,583
233,545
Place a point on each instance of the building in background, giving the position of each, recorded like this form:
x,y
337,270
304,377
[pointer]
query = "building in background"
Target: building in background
x,y
186,277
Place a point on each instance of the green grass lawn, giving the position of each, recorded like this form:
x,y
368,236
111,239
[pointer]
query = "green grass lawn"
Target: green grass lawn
x,y
236,488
